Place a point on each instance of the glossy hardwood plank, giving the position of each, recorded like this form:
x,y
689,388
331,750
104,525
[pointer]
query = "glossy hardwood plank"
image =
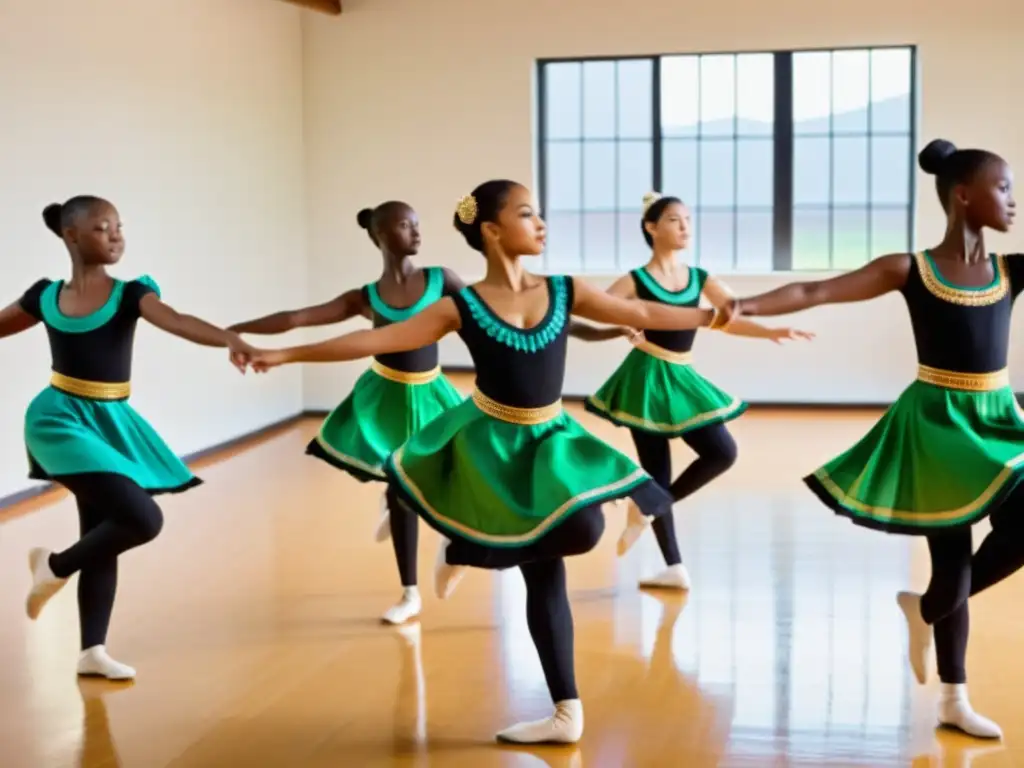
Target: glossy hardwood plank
x,y
253,623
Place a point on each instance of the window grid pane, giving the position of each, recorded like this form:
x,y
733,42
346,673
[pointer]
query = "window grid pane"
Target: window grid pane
x,y
711,131
867,149
714,108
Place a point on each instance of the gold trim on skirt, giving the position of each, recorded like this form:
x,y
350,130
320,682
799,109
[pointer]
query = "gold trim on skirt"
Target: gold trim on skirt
x,y
405,377
679,358
971,382
91,390
524,416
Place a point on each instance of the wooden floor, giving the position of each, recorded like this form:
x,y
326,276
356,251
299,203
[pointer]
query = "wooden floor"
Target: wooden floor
x,y
253,623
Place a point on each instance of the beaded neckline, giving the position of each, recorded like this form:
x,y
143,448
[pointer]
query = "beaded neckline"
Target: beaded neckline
x,y
523,339
970,296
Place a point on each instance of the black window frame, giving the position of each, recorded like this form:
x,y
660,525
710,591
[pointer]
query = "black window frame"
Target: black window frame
x,y
782,139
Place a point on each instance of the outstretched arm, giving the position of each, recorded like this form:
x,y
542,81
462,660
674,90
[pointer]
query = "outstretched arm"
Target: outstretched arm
x,y
884,274
14,319
588,332
622,288
338,309
187,327
721,298
602,307
195,330
426,327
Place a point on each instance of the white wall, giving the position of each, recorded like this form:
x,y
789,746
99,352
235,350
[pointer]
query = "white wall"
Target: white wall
x,y
423,100
188,116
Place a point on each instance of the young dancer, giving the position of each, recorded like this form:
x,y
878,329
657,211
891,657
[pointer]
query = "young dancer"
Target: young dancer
x,y
399,394
82,433
402,391
508,477
951,449
657,394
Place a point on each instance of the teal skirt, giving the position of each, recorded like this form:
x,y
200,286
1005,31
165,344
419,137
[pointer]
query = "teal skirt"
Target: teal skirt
x,y
938,459
69,435
378,416
502,484
666,398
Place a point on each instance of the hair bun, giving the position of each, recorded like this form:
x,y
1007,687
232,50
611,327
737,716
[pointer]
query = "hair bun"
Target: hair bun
x,y
51,217
365,218
934,156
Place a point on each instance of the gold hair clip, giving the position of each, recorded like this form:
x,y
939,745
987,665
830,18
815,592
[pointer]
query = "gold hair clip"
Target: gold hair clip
x,y
650,199
466,209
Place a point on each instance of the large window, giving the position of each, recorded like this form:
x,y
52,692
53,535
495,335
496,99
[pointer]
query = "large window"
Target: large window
x,y
788,160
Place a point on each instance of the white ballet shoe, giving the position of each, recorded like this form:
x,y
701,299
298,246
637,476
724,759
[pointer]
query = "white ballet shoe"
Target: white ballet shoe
x,y
673,577
408,607
45,584
383,532
446,577
563,727
636,523
919,635
955,711
96,662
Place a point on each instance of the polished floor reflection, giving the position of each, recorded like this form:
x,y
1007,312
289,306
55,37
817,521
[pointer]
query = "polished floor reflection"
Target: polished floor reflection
x,y
253,623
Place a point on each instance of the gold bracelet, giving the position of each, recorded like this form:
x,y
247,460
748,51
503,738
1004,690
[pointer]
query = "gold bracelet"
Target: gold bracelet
x,y
716,321
732,316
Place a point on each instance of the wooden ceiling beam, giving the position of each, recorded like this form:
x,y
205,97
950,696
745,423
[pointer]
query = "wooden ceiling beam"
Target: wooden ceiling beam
x,y
332,7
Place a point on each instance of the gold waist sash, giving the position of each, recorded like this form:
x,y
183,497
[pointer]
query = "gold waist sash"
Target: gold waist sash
x,y
679,358
91,390
971,382
525,416
405,377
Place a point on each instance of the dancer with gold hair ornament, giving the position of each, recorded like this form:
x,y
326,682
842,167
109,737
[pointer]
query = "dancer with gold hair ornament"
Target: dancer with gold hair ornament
x,y
508,477
657,393
401,392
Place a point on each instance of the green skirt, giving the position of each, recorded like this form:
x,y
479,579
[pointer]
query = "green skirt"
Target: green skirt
x,y
506,485
70,435
376,418
939,458
661,397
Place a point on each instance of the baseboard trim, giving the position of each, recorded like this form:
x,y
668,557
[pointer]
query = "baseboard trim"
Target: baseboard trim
x,y
249,437
206,454
27,494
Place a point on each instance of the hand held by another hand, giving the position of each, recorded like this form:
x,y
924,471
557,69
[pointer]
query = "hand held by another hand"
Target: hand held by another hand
x,y
633,336
263,360
239,352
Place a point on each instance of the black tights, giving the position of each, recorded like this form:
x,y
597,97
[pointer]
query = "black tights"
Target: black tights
x,y
957,575
716,452
405,537
114,515
548,614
